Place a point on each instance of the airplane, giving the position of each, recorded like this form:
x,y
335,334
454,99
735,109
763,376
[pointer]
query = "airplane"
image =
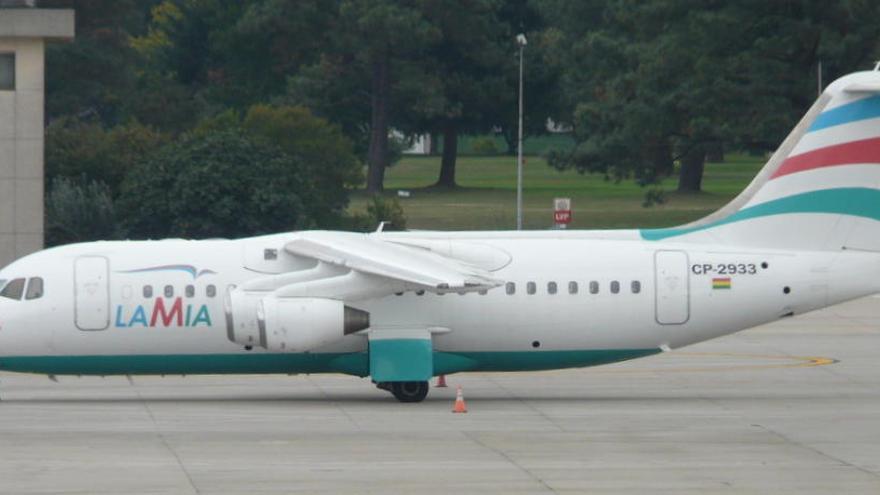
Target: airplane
x,y
403,307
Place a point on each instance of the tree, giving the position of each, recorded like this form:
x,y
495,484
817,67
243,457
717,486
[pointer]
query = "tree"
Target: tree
x,y
84,150
466,62
183,57
94,75
79,211
543,71
653,81
325,155
275,39
369,59
381,30
218,184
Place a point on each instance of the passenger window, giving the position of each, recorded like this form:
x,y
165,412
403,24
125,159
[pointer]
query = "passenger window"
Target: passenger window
x,y
531,288
14,289
190,291
551,287
270,254
483,292
148,291
636,286
34,288
615,287
594,287
420,292
211,291
510,288
169,291
572,287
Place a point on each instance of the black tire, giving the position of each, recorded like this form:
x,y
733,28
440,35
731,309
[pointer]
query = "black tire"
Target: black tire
x,y
409,391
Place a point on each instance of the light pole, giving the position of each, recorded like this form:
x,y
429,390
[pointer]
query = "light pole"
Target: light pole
x,y
521,41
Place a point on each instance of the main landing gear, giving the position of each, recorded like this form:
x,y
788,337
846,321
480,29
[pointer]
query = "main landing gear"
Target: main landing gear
x,y
406,391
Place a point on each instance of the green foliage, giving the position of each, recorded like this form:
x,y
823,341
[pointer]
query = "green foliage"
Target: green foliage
x,y
79,211
382,209
328,162
218,184
652,81
378,209
94,75
326,156
643,84
77,148
229,119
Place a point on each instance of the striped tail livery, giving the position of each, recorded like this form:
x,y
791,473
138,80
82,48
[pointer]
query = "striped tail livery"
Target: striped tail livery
x,y
819,191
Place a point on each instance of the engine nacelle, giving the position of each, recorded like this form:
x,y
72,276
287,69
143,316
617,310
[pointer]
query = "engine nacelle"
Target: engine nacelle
x,y
301,324
241,317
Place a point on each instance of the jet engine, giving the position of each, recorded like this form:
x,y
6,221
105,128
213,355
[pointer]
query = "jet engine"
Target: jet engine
x,y
241,317
301,324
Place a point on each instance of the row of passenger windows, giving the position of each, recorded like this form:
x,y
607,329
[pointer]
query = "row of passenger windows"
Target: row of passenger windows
x,y
168,291
573,288
16,288
594,287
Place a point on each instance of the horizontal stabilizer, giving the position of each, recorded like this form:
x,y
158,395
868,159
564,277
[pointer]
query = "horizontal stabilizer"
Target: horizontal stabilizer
x,y
863,87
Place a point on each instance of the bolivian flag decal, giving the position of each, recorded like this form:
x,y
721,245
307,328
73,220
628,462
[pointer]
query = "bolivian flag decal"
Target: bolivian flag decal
x,y
721,282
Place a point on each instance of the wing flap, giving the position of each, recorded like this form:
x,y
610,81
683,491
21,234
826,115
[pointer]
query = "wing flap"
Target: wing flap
x,y
368,254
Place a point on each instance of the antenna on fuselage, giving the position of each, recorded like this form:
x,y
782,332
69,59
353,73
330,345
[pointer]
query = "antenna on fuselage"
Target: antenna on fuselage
x,y
382,225
877,66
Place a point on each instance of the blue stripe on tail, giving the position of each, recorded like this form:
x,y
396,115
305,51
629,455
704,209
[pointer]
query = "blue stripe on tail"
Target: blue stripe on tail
x,y
866,108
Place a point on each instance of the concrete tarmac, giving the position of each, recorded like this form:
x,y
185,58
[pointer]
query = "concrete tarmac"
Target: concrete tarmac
x,y
792,407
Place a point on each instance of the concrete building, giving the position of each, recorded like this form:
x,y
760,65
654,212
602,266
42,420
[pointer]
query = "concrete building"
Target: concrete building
x,y
23,35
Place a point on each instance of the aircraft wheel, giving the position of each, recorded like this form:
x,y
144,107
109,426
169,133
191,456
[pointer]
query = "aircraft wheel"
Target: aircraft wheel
x,y
409,391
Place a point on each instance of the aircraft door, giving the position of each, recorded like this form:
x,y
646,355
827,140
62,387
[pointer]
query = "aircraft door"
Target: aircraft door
x,y
672,287
91,293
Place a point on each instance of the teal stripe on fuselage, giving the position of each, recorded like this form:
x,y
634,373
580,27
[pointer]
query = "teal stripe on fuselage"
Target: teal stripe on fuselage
x,y
866,108
855,201
348,363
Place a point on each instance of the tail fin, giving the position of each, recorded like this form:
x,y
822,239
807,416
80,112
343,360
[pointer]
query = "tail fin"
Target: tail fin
x,y
819,191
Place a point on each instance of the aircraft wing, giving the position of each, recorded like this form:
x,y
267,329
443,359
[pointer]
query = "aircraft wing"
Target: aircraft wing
x,y
411,265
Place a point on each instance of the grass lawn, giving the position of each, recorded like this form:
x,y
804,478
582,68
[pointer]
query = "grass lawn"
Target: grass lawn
x,y
486,199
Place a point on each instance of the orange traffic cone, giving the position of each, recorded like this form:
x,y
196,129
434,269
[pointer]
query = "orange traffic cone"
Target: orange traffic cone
x,y
441,382
459,402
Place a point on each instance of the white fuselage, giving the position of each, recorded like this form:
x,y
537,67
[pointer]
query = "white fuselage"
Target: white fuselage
x,y
612,292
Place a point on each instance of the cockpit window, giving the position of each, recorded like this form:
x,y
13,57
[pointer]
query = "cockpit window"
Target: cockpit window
x,y
2,282
14,289
34,288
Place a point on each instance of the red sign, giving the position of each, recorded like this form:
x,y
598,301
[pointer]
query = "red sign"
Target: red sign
x,y
562,211
562,216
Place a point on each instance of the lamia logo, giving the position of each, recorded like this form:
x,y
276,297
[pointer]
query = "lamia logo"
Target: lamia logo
x,y
161,316
171,312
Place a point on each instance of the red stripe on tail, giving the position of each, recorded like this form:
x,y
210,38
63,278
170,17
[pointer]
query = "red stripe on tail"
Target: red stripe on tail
x,y
864,151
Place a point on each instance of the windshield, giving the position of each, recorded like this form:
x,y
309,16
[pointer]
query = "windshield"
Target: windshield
x,y
2,283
